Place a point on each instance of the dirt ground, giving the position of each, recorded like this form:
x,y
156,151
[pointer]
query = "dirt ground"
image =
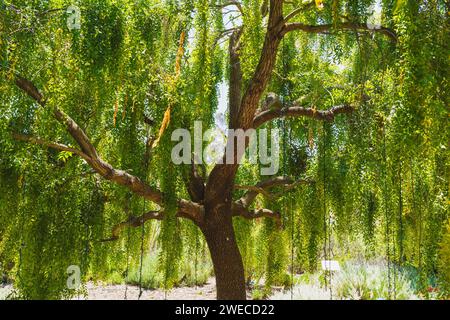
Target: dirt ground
x,y
117,292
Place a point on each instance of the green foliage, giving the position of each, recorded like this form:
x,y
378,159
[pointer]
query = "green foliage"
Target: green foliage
x,y
246,237
277,255
152,278
258,294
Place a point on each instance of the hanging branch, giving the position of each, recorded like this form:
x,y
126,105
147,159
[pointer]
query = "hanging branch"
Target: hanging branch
x,y
172,86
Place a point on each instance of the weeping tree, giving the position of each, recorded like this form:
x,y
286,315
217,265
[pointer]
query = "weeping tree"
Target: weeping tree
x,y
358,89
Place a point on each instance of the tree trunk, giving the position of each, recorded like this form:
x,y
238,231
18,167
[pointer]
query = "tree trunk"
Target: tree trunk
x,y
226,258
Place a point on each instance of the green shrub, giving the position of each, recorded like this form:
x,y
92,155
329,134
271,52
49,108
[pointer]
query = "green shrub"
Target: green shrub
x,y
192,277
258,294
115,278
151,278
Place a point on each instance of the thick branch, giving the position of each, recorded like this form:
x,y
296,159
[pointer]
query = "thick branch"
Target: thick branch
x,y
192,211
133,222
125,179
353,26
221,179
76,132
103,168
187,210
72,127
240,207
297,111
29,88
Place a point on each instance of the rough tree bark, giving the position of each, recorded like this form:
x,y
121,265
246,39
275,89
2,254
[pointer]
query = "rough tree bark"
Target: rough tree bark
x,y
227,261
